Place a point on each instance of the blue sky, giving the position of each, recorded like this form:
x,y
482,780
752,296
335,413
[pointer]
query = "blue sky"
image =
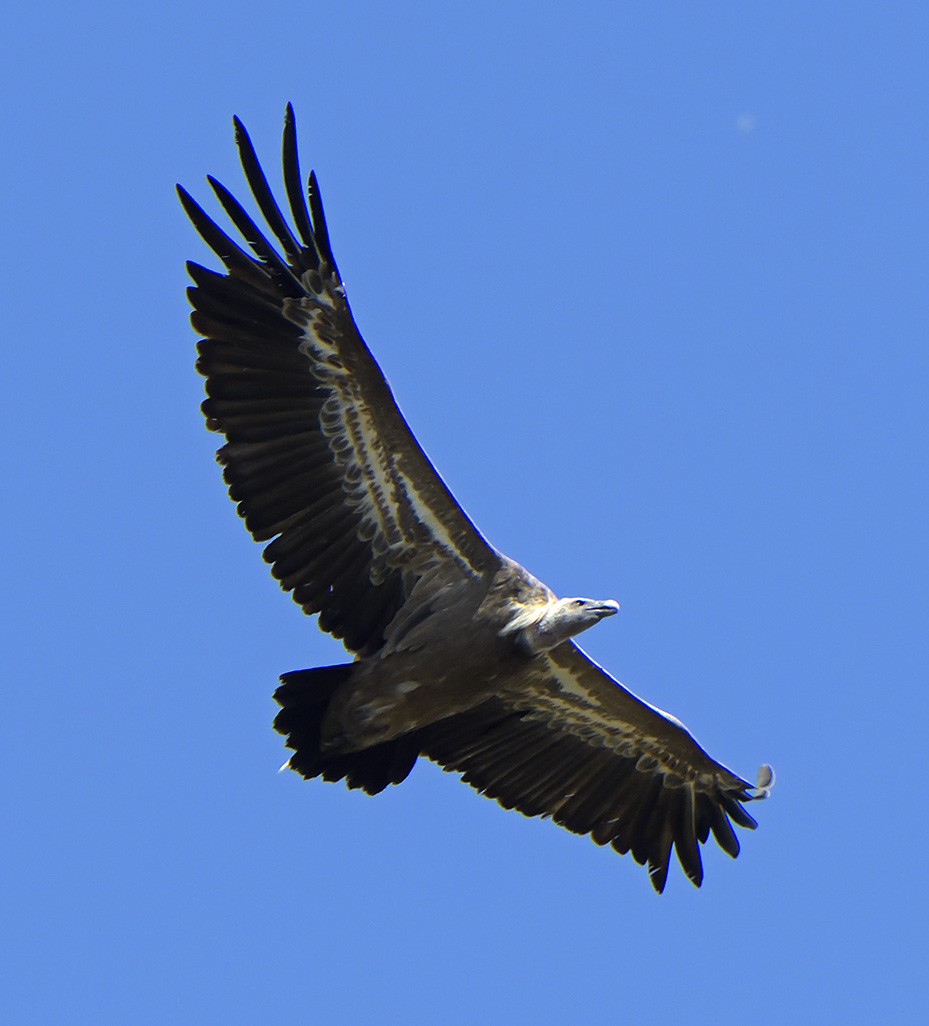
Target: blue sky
x,y
649,282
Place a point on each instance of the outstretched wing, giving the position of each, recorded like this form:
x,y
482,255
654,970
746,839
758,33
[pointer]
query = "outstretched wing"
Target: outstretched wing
x,y
318,456
570,742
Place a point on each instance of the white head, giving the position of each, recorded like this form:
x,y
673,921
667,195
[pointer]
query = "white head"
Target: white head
x,y
562,619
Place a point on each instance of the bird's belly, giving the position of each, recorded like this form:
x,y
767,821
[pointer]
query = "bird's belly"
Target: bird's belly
x,y
386,698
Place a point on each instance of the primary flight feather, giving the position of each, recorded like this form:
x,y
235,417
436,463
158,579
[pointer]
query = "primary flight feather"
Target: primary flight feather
x,y
460,654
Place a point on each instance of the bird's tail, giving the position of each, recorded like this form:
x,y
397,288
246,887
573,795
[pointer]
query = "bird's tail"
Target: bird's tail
x,y
304,697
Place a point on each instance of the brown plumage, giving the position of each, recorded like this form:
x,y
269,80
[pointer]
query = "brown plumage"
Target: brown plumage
x,y
460,654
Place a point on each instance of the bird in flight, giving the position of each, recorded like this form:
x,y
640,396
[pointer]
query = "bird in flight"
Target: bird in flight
x,y
459,653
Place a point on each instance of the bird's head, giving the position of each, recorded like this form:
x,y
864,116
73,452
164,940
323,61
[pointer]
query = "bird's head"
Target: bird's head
x,y
563,618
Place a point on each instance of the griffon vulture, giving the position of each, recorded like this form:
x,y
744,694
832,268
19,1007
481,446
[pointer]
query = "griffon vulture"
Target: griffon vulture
x,y
460,654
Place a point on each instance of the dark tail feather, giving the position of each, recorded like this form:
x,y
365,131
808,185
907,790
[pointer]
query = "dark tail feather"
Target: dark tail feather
x,y
304,696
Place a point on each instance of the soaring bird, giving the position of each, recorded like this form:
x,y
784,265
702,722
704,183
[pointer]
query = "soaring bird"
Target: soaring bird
x,y
460,654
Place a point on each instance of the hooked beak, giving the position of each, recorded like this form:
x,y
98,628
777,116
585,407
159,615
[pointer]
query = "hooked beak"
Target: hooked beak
x,y
607,608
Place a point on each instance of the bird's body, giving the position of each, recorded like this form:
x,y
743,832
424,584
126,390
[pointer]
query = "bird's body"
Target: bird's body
x,y
459,652
424,663
430,662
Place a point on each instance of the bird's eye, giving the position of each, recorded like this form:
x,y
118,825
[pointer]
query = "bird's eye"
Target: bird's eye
x,y
578,603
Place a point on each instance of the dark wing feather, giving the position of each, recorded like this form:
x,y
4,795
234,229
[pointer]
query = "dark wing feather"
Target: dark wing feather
x,y
570,742
318,456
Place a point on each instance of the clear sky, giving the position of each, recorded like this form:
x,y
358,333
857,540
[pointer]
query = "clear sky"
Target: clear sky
x,y
649,281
